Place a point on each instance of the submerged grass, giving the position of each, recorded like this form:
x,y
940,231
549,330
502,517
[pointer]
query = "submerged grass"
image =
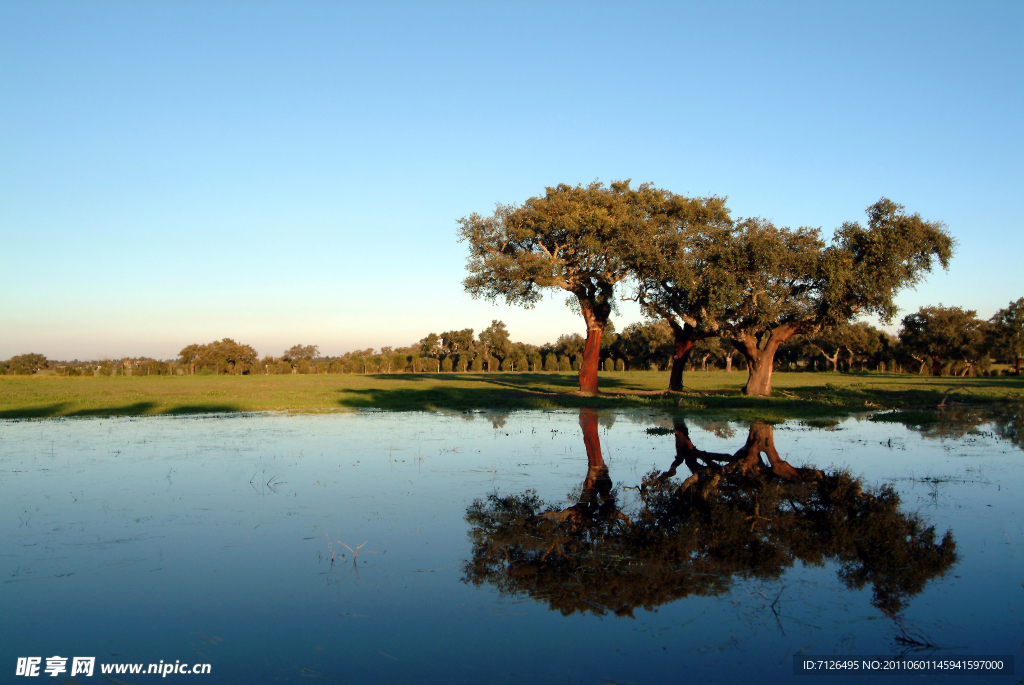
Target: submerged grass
x,y
795,395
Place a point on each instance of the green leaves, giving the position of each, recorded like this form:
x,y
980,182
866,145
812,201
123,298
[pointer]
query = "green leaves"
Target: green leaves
x,y
571,237
1008,330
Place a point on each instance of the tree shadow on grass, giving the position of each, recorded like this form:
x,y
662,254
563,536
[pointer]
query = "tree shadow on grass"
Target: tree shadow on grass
x,y
523,380
874,397
431,399
61,409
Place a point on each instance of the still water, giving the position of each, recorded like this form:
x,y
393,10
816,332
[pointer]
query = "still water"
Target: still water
x,y
565,547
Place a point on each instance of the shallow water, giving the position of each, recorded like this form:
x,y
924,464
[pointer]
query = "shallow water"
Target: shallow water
x,y
210,539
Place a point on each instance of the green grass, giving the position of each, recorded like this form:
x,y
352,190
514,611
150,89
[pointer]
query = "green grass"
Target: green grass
x,y
795,395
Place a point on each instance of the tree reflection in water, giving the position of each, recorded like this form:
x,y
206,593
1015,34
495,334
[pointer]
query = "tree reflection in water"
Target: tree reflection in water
x,y
734,516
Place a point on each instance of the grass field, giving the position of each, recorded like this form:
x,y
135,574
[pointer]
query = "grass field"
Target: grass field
x,y
794,394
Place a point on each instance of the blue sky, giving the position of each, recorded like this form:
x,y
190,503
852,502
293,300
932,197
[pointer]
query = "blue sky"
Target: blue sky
x,y
286,172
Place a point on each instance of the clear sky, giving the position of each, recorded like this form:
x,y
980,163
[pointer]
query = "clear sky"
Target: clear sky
x,y
292,172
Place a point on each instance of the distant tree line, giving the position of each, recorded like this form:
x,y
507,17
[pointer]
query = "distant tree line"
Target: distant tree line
x,y
935,340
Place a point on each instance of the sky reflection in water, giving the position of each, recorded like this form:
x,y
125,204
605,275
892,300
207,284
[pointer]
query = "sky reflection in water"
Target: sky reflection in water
x,y
210,539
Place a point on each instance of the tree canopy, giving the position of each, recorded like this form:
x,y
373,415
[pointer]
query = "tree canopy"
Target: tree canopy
x,y
221,355
26,364
569,238
758,285
677,264
941,334
297,352
1008,332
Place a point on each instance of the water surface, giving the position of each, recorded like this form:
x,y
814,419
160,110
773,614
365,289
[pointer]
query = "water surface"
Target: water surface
x,y
381,547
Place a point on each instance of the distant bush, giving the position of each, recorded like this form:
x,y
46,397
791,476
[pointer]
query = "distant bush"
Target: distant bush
x,y
26,364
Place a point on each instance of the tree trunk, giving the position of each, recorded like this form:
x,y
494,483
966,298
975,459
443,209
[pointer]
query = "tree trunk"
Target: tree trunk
x,y
683,345
728,362
591,358
761,360
924,364
936,365
834,359
1017,367
596,315
679,359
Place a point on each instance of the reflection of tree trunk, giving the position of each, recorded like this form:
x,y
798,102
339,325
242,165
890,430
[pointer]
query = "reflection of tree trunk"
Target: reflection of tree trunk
x,y
761,438
598,482
595,498
688,454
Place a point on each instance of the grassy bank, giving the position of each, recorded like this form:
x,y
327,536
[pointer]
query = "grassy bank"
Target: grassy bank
x,y
795,394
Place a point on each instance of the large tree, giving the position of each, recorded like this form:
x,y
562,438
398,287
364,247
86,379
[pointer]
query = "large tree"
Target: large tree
x,y
569,238
678,265
758,285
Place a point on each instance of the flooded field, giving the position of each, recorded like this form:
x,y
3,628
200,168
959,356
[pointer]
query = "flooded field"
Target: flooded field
x,y
563,547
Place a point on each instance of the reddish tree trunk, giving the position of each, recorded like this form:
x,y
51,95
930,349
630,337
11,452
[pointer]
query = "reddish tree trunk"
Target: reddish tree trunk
x,y
936,366
596,314
591,360
834,359
591,353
